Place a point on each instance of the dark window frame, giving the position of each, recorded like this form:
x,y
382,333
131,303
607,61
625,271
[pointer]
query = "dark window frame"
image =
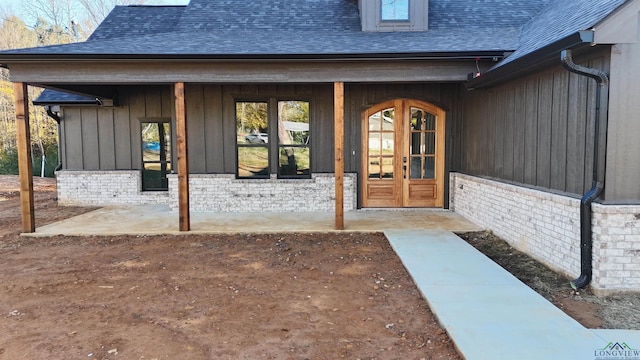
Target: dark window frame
x,y
266,145
273,144
165,162
306,145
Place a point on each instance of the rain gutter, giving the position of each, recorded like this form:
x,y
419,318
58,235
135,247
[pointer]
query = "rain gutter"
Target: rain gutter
x,y
597,184
94,102
9,57
531,62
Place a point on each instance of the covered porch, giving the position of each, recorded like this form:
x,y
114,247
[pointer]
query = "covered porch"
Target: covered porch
x,y
154,219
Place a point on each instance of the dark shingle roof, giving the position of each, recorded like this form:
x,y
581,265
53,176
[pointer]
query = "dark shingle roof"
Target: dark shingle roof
x,y
131,21
278,15
288,27
559,20
281,28
481,14
282,43
51,97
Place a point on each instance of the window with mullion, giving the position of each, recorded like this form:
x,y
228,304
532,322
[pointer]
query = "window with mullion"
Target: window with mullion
x,y
156,154
294,158
254,147
252,139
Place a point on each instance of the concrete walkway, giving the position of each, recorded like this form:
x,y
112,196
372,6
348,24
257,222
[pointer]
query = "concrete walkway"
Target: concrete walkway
x,y
488,313
150,219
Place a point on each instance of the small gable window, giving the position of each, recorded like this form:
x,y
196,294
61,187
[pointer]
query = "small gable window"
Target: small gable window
x,y
394,10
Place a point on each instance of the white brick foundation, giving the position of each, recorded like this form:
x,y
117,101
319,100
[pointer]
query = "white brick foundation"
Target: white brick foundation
x,y
547,227
213,193
101,188
225,193
616,247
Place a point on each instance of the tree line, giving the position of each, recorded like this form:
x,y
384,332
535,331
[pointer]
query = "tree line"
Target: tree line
x,y
41,23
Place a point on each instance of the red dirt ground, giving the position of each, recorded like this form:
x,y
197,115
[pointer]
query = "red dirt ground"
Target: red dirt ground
x,y
294,296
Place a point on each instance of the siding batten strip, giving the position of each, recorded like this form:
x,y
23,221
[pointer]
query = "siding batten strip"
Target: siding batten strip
x,y
183,161
338,107
25,167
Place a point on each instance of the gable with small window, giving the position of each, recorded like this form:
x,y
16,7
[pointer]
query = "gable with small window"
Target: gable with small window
x,y
394,15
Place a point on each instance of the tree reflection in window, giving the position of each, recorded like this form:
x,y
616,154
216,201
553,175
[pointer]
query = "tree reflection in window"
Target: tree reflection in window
x,y
253,141
156,154
252,138
293,139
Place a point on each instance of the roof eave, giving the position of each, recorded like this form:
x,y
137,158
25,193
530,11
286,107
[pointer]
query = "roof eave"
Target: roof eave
x,y
66,102
7,59
532,61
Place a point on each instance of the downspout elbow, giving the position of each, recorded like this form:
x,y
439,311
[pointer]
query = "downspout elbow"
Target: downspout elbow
x,y
596,74
57,119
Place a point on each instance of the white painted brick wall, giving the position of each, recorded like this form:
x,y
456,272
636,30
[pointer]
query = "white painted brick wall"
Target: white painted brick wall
x,y
101,188
225,193
616,247
547,227
214,193
544,225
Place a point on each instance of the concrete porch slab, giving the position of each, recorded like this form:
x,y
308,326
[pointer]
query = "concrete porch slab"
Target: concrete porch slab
x,y
150,219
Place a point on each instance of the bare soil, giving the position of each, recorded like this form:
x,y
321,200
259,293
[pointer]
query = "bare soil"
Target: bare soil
x,y
287,296
293,296
621,311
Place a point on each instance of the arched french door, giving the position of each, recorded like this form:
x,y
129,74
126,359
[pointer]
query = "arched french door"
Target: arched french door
x,y
403,155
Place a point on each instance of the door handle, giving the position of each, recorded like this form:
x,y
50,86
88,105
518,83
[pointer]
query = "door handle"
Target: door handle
x,y
404,171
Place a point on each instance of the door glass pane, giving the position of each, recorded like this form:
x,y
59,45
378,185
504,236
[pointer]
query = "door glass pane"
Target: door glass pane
x,y
416,119
430,143
429,167
415,147
430,122
387,168
381,144
388,116
387,143
375,144
374,167
374,122
415,171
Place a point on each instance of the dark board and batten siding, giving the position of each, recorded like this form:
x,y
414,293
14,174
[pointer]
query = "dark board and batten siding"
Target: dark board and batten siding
x,y
537,130
109,138
94,138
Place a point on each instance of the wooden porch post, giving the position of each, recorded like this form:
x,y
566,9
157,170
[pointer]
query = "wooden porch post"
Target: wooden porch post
x,y
25,167
338,107
183,159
